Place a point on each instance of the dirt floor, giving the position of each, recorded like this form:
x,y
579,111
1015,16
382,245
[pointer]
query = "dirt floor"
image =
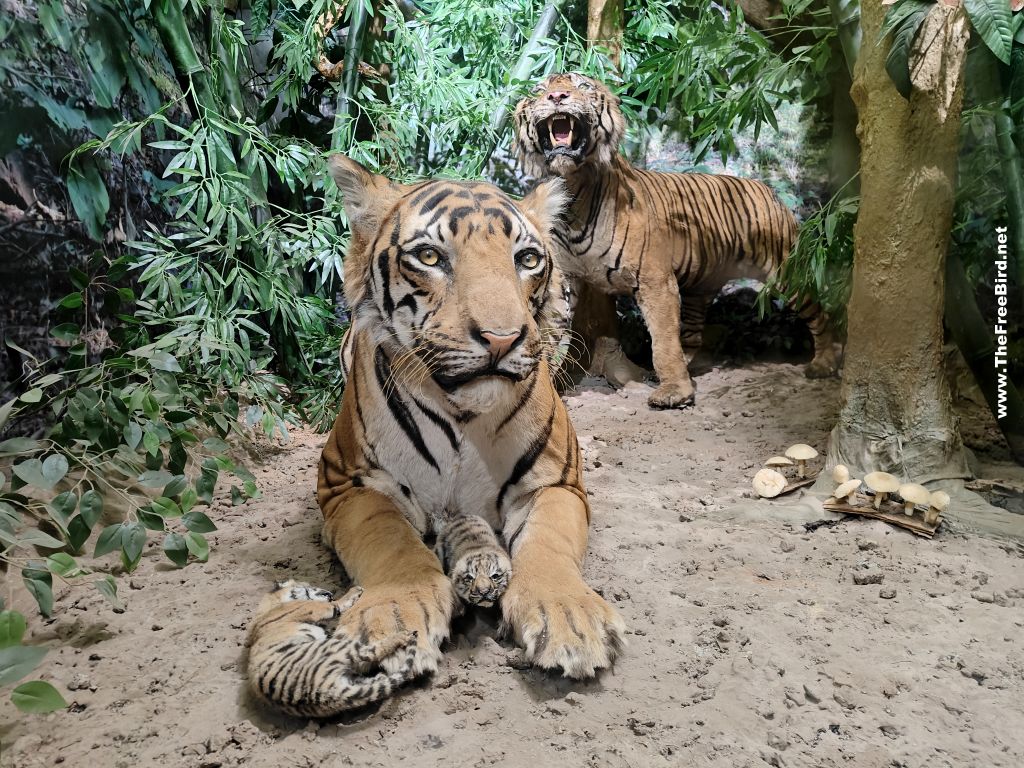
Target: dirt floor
x,y
750,643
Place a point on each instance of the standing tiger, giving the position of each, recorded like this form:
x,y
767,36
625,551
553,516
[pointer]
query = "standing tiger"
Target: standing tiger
x,y
450,426
649,234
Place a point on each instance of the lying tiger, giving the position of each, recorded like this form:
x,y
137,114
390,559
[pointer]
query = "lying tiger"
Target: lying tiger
x,y
647,234
450,427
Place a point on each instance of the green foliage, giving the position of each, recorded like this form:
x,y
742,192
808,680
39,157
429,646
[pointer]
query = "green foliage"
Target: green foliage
x,y
17,661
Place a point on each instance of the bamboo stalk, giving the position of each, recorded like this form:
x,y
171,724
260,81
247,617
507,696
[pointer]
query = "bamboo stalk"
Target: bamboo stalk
x,y
522,70
354,45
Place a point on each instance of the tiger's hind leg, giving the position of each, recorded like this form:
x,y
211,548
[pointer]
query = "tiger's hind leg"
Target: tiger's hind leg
x,y
478,565
825,362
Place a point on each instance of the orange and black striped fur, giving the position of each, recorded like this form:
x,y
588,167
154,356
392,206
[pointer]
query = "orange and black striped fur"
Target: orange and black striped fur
x,y
301,662
450,426
665,238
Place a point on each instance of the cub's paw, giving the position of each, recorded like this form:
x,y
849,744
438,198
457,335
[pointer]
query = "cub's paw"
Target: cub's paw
x,y
672,395
384,614
570,629
480,578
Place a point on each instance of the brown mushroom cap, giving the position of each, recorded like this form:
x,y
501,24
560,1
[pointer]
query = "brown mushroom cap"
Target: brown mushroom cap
x,y
801,452
881,482
778,461
846,489
840,474
768,483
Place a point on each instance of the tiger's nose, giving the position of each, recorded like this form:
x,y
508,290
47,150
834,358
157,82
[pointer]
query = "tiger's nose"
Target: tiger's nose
x,y
558,96
500,344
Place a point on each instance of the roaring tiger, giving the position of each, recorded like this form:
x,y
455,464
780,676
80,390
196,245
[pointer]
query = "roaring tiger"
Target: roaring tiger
x,y
451,428
649,234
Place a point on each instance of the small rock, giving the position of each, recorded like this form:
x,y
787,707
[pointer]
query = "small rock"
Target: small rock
x,y
811,695
887,593
573,698
81,683
868,573
984,597
556,709
777,742
866,546
794,698
787,546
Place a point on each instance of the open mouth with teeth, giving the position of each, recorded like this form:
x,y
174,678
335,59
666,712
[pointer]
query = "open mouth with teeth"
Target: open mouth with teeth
x,y
562,134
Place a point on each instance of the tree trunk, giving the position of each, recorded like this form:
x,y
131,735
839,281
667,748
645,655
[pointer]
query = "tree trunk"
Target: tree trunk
x,y
605,20
897,413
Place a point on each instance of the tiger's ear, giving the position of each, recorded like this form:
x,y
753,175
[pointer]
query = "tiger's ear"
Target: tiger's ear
x,y
546,204
367,196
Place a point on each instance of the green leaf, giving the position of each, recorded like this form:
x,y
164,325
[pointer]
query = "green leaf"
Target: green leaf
x,y
108,540
164,361
166,507
72,301
198,522
150,521
151,442
237,497
176,549
32,396
176,486
40,585
78,532
63,564
37,698
35,537
198,546
178,417
133,539
108,588
155,478
91,508
188,499
17,661
66,332
12,627
993,21
132,434
18,445
31,472
5,412
54,469
903,20
62,508
89,196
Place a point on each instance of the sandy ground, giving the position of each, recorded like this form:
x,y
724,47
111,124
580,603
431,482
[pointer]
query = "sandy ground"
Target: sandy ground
x,y
750,643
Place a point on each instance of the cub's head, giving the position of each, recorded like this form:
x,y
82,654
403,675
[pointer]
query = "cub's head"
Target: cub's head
x,y
567,121
454,280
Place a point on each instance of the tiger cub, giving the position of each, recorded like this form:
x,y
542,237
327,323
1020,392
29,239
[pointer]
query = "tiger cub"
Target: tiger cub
x,y
301,663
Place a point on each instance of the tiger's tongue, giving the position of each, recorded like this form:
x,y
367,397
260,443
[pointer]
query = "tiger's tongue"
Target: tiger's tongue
x,y
561,132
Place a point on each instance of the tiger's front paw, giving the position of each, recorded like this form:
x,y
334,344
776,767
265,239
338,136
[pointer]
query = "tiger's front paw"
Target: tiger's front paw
x,y
384,613
673,394
569,628
480,578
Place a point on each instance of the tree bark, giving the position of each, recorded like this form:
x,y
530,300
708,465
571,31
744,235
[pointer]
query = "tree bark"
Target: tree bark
x,y
897,412
605,20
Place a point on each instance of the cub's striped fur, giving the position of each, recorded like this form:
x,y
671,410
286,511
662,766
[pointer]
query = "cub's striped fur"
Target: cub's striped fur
x,y
300,662
651,234
450,426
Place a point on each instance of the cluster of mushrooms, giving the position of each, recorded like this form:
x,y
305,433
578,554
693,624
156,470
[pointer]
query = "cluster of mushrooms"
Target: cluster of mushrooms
x,y
770,481
881,484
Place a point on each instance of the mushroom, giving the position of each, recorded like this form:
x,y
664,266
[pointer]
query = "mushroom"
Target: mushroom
x,y
847,491
913,494
768,483
801,453
840,474
778,462
882,483
937,504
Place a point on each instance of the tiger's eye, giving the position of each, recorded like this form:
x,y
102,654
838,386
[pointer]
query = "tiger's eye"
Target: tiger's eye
x,y
428,257
529,260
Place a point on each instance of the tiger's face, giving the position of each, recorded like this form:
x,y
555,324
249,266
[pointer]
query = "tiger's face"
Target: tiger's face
x,y
455,280
569,120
